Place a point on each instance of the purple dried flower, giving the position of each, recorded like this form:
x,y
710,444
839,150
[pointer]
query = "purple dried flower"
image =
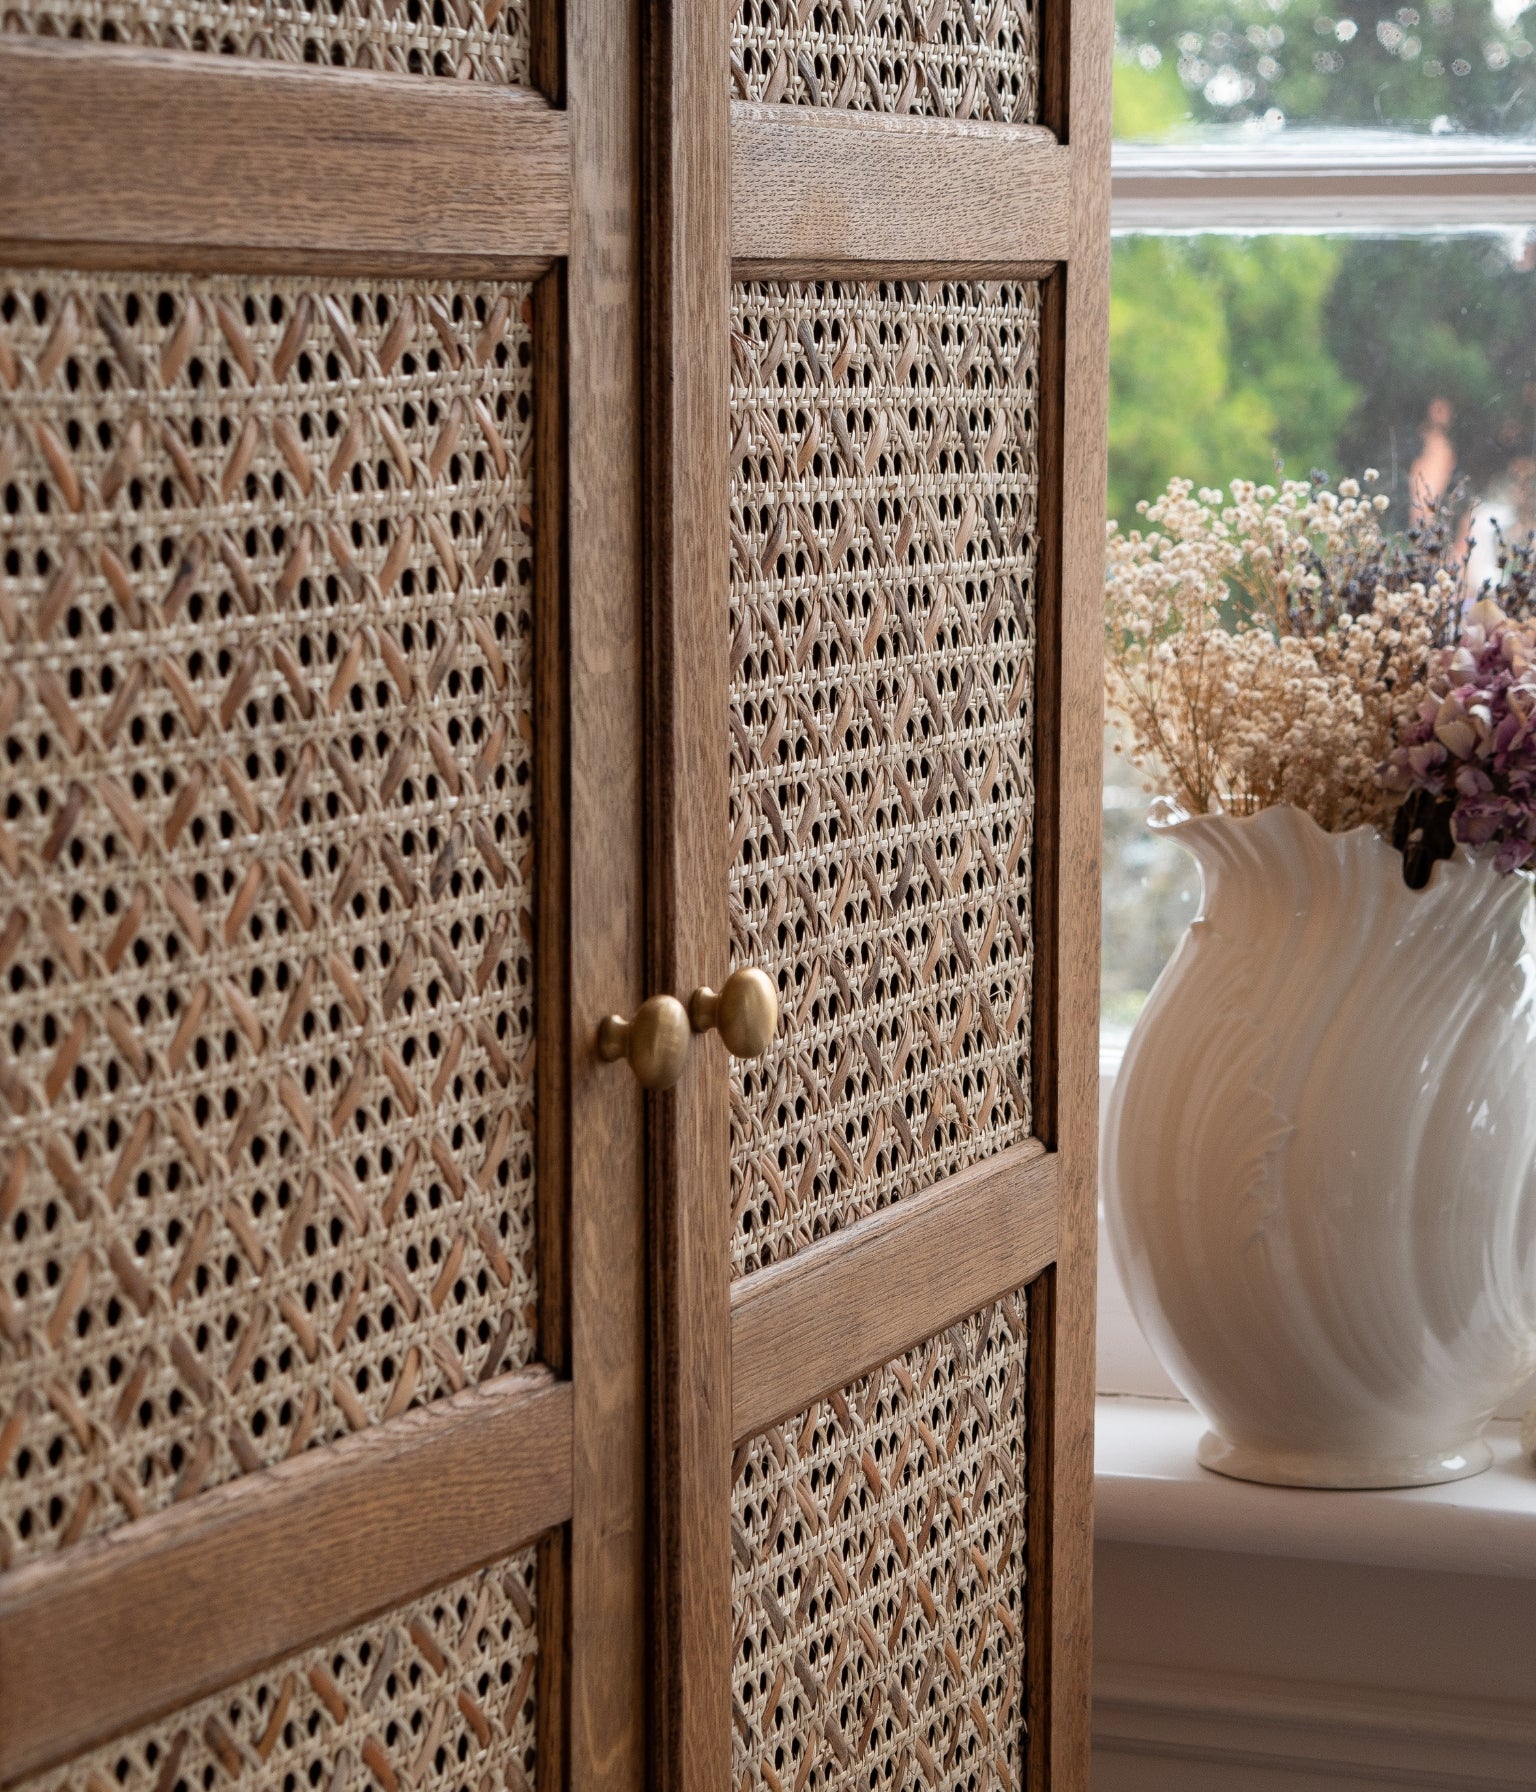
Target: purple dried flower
x,y
1469,756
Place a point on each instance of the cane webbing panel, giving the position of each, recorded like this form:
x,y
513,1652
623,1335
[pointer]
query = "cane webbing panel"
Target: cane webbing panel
x,y
438,1696
974,59
266,1023
882,793
467,40
878,1577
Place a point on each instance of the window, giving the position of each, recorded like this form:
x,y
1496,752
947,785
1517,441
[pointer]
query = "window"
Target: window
x,y
1325,258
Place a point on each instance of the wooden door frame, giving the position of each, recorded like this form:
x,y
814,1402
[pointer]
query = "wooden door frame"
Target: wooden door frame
x,y
607,1698
687,498
337,172
826,194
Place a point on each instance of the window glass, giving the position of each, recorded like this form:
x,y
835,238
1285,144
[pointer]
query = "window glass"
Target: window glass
x,y
1232,357
1264,66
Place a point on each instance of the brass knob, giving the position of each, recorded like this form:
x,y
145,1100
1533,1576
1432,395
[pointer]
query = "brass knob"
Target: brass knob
x,y
655,1042
746,1012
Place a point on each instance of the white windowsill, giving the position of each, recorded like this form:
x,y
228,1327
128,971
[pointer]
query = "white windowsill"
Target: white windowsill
x,y
1274,1639
1148,1489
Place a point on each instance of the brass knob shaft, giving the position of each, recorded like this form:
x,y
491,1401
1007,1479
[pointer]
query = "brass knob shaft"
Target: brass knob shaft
x,y
745,1012
655,1042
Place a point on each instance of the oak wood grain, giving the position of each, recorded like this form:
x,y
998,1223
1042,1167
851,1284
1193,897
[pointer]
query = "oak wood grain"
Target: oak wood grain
x,y
609,1606
857,1299
1076,97
1041,1686
1040,1552
849,193
114,1632
552,1706
1045,867
687,502
210,162
551,942
552,890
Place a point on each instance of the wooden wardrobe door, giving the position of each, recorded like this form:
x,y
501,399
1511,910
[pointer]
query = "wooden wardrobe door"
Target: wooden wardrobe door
x,y
322,1331
879,373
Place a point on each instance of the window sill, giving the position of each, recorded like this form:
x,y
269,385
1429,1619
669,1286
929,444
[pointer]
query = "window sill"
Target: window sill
x,y
1148,1489
1267,1639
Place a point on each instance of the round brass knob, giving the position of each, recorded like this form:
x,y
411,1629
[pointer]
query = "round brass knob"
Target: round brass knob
x,y
655,1041
746,1012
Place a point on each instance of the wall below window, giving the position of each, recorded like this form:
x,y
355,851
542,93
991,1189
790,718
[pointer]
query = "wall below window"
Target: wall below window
x,y
1256,1638
1241,1672
1250,1674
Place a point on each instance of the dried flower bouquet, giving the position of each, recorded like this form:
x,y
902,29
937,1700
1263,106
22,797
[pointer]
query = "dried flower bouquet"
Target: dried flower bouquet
x,y
1279,645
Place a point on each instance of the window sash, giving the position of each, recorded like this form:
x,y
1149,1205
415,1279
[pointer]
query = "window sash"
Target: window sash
x,y
1362,180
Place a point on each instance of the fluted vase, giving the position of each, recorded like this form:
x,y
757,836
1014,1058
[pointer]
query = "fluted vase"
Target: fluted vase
x,y
1320,1156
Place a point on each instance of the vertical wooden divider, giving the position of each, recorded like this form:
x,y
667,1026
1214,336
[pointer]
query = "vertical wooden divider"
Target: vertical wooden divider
x,y
607,1606
687,503
1076,105
552,945
1040,1466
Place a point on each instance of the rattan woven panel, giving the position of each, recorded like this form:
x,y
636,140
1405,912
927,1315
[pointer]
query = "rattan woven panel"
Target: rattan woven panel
x,y
438,1696
266,1158
976,59
467,40
878,1576
882,789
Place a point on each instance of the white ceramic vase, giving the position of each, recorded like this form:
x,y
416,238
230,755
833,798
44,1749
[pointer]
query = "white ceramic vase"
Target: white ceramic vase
x,y
1320,1156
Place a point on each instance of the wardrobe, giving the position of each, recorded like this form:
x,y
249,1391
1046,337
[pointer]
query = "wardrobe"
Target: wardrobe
x,y
550,569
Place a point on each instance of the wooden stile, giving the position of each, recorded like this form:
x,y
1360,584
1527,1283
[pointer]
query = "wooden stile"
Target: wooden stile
x,y
608,1671
688,268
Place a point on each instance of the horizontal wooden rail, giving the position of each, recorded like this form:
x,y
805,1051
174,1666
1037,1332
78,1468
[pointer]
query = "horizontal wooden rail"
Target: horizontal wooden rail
x,y
115,1632
821,192
848,1303
118,157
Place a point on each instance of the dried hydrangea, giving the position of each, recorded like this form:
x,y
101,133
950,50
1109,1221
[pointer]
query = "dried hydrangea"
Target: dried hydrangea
x,y
1267,649
1467,759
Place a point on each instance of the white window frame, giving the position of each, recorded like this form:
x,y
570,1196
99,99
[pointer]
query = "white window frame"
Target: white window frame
x,y
1362,180
1303,180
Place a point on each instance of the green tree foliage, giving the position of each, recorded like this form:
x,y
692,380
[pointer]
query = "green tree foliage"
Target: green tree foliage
x,y
1452,63
1149,102
1219,366
1412,321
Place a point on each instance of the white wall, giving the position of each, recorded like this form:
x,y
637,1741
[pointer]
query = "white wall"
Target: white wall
x,y
1250,1673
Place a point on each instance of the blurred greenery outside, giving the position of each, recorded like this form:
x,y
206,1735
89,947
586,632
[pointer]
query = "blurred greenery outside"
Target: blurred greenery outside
x,y
1236,356
1260,66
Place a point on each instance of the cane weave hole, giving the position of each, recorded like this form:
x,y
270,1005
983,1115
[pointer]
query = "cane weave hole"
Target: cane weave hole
x,y
266,1018
466,40
976,59
883,526
438,1696
878,1576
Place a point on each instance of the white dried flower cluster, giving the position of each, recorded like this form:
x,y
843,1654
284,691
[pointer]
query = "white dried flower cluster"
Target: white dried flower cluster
x,y
1242,677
